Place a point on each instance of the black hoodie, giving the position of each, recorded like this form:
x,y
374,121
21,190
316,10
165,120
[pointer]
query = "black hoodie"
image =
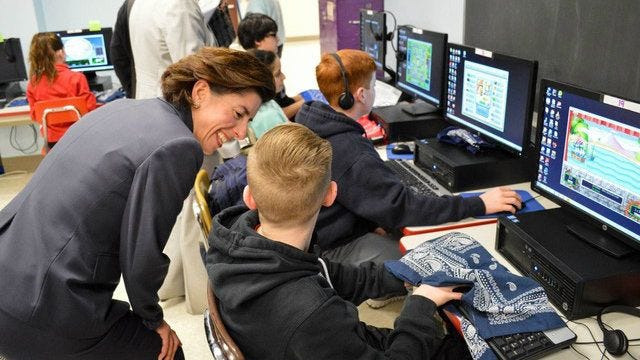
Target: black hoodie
x,y
278,302
370,194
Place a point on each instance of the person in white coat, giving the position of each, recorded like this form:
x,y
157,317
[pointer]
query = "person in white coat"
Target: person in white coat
x,y
163,32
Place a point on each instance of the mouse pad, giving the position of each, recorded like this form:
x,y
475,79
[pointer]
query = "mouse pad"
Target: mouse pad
x,y
392,156
531,203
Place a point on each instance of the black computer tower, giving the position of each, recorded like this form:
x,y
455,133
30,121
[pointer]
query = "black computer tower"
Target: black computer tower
x,y
459,170
401,126
579,279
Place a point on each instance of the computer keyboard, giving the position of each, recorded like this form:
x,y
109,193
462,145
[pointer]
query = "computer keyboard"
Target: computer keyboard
x,y
19,101
416,179
528,345
532,345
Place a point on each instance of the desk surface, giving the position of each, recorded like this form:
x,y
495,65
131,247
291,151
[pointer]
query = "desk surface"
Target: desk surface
x,y
15,116
486,234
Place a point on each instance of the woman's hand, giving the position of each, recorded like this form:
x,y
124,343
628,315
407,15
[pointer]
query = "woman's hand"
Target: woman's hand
x,y
170,341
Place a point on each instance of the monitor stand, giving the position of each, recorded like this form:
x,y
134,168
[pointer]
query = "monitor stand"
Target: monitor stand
x,y
98,83
599,240
418,108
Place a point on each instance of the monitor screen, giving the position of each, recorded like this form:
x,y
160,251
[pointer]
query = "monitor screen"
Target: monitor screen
x,y
373,32
87,50
421,62
491,94
589,156
12,66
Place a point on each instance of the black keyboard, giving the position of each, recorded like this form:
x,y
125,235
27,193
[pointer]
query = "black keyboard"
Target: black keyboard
x,y
532,345
416,180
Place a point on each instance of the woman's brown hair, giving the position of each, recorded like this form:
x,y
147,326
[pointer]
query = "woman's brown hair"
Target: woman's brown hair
x,y
42,56
226,71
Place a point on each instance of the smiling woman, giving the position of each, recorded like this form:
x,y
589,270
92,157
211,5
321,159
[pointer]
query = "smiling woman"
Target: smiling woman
x,y
223,88
101,205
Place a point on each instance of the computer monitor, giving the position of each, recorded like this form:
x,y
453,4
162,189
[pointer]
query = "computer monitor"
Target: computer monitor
x,y
12,66
373,34
588,146
88,51
420,67
491,94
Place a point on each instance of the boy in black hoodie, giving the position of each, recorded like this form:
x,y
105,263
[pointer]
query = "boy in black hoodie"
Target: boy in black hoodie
x,y
371,196
277,300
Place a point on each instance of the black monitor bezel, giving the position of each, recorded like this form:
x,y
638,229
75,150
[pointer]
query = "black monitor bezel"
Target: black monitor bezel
x,y
383,42
19,65
593,222
410,91
533,74
107,32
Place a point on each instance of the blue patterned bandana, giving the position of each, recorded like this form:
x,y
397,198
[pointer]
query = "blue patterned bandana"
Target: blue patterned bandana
x,y
498,302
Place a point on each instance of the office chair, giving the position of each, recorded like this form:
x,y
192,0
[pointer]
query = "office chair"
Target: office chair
x,y
220,342
57,115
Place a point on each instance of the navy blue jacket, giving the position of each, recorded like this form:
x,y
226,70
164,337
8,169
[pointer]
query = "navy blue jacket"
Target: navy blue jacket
x,y
279,302
370,194
101,204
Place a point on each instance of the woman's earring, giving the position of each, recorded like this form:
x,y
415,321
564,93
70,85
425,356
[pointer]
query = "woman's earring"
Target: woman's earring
x,y
196,105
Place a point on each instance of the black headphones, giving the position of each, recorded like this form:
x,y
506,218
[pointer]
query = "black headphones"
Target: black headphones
x,y
615,341
345,100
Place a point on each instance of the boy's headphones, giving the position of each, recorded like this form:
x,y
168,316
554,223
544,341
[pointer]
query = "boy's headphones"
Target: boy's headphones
x,y
345,100
615,341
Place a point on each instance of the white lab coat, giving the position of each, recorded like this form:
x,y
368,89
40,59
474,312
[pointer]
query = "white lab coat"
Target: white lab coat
x,y
163,32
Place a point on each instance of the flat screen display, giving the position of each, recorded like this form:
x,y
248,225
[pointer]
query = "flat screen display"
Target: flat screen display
x,y
588,147
491,94
421,63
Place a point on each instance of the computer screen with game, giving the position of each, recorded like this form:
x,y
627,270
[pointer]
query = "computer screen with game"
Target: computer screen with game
x,y
491,94
373,34
589,160
87,50
12,65
420,65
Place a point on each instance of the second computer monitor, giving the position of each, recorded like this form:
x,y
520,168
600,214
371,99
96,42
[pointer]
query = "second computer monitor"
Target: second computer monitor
x,y
373,37
12,66
491,94
87,50
421,63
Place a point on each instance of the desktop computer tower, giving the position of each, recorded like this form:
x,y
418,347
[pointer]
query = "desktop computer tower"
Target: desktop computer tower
x,y
459,170
579,279
401,126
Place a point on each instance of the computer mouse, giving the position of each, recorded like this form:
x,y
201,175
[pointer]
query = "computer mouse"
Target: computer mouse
x,y
401,149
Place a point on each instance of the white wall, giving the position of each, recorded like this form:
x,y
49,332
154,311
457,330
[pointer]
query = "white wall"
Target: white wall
x,y
436,15
301,17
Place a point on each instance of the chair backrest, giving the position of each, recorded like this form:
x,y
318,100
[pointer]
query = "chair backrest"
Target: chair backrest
x,y
57,115
220,342
201,205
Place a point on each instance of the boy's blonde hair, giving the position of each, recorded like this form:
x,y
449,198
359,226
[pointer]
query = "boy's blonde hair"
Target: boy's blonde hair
x,y
289,171
359,68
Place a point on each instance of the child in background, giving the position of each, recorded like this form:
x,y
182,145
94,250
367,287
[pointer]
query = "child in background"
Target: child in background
x,y
258,31
50,77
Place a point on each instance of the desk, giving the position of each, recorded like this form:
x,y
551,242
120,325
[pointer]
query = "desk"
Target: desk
x,y
412,230
485,235
15,116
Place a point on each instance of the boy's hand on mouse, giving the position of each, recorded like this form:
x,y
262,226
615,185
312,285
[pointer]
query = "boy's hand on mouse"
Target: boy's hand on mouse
x,y
501,199
439,295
